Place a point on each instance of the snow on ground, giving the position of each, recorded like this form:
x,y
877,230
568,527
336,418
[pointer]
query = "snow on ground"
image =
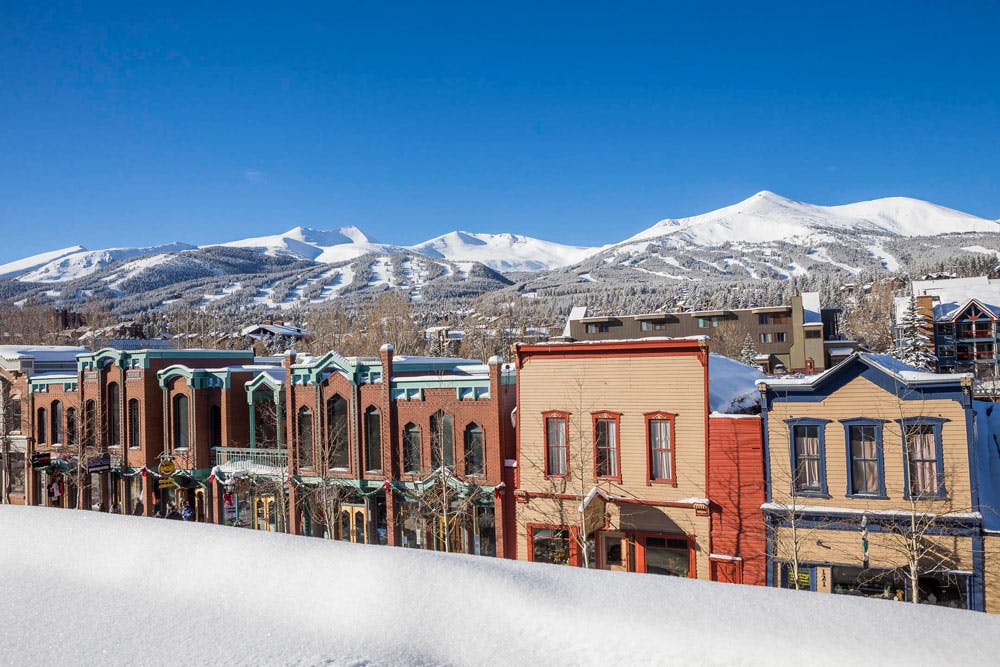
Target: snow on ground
x,y
381,270
152,591
889,262
504,252
35,261
969,248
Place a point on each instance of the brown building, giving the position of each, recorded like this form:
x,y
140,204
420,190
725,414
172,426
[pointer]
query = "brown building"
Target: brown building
x,y
614,465
800,337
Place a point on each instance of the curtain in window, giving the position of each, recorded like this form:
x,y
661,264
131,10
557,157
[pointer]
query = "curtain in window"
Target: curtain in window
x,y
555,439
864,460
923,460
659,449
607,448
807,457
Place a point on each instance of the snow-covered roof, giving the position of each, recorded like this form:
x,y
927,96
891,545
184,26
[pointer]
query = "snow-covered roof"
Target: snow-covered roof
x,y
891,366
732,386
275,330
577,313
953,294
41,352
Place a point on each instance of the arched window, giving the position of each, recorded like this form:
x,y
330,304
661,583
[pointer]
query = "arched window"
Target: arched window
x,y
345,525
114,416
373,440
215,426
305,441
336,433
474,459
411,449
89,422
71,426
442,440
57,430
181,421
40,426
133,422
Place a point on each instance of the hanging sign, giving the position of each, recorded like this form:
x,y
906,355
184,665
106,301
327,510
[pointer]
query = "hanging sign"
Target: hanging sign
x,y
167,483
40,459
167,468
100,463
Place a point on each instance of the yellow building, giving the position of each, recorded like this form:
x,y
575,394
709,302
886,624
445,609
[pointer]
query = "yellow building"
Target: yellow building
x,y
881,483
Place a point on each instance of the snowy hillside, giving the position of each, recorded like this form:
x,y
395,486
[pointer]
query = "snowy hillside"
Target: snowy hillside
x,y
323,246
29,263
232,596
504,252
81,262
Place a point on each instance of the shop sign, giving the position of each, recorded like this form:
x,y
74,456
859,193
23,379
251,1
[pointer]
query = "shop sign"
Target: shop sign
x,y
133,374
167,483
100,463
167,468
40,459
230,512
805,578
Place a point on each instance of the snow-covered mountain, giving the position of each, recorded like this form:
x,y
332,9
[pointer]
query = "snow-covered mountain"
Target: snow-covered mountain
x,y
504,252
765,237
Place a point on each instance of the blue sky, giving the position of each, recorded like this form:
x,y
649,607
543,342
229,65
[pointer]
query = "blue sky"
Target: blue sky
x,y
145,123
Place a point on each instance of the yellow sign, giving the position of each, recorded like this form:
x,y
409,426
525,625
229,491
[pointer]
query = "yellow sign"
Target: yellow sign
x,y
167,483
167,468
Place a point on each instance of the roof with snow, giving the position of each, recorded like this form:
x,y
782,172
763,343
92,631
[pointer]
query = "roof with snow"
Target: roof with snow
x,y
732,386
811,311
41,352
954,294
286,330
888,366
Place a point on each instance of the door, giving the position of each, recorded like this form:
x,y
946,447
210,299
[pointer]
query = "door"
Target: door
x,y
265,515
614,552
727,571
354,524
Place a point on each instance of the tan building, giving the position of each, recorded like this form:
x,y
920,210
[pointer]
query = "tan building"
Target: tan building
x,y
880,480
613,458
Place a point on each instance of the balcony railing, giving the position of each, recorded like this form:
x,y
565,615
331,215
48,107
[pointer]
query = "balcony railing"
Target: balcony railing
x,y
976,333
253,460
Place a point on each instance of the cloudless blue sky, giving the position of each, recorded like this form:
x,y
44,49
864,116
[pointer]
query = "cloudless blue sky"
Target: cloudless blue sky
x,y
142,123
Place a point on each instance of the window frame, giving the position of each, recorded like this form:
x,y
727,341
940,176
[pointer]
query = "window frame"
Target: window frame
x,y
878,424
935,423
332,429
661,415
175,432
56,430
466,432
132,431
572,531
823,491
305,415
616,417
410,427
555,414
372,411
41,426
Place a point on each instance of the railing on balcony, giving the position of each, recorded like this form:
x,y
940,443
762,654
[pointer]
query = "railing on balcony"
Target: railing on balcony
x,y
260,461
975,332
985,355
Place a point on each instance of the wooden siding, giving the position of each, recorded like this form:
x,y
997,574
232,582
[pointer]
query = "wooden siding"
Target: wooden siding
x,y
630,385
862,398
991,546
736,489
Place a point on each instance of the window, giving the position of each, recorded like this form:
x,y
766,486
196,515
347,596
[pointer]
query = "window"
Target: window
x,y
305,441
40,426
606,452
766,338
71,426
551,545
89,423
598,327
474,455
15,414
180,421
773,337
215,425
808,452
924,469
664,555
648,325
865,467
17,471
411,449
772,318
57,423
373,440
133,423
442,440
336,434
659,441
708,322
945,351
114,416
556,450
813,333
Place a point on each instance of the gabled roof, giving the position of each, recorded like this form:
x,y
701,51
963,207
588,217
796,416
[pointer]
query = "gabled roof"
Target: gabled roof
x,y
893,373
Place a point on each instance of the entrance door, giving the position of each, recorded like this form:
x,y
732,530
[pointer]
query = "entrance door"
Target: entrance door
x,y
353,524
614,552
265,515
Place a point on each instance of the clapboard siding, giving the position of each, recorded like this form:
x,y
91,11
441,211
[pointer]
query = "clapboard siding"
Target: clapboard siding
x,y
862,398
630,385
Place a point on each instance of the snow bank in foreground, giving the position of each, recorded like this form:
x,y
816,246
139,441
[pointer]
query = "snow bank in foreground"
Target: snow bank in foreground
x,y
86,588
